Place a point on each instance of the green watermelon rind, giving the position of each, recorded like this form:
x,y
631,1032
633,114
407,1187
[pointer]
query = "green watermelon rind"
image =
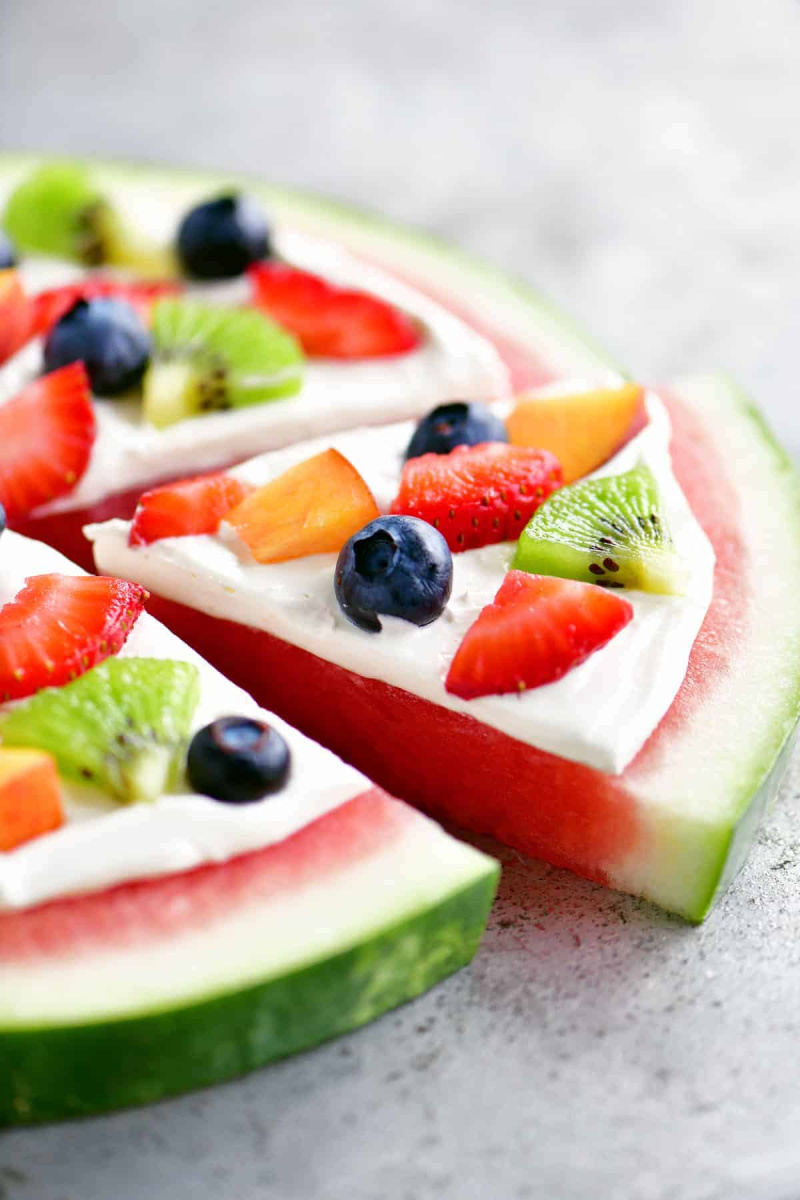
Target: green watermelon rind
x,y
739,777
761,784
55,1072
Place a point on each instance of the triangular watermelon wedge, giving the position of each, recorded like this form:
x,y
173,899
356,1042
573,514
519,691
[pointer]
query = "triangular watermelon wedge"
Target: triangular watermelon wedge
x,y
171,979
676,825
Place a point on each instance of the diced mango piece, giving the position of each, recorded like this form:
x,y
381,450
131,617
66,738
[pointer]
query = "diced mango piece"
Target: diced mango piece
x,y
30,796
313,508
582,430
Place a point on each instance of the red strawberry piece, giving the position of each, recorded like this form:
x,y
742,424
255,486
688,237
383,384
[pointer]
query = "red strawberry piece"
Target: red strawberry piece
x,y
328,321
189,506
15,314
50,306
536,630
59,626
477,495
46,436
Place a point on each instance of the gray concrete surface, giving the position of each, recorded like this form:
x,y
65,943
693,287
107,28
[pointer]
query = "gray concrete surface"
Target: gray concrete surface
x,y
640,163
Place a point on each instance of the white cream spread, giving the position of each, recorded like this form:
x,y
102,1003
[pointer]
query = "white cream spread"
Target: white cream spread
x,y
600,713
102,844
452,361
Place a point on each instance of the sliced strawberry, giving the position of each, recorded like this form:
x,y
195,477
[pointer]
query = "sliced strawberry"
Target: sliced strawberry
x,y
46,436
328,321
536,629
15,314
477,495
59,626
189,506
50,306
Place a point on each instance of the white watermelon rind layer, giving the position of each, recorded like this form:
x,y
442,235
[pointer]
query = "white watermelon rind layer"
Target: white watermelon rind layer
x,y
705,797
110,1026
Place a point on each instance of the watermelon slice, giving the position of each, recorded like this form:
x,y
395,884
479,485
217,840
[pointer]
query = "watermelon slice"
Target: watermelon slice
x,y
537,344
129,995
676,825
151,987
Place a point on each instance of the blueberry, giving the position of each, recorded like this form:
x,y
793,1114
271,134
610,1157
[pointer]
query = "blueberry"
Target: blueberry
x,y
108,336
221,238
8,257
398,566
237,760
458,423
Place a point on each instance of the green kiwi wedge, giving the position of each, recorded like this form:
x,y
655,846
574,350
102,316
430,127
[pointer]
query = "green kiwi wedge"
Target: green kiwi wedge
x,y
209,357
122,727
60,211
610,531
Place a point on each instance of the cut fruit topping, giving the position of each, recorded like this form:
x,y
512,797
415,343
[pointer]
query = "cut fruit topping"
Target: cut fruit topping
x,y
396,567
582,430
313,508
208,357
15,314
456,423
50,306
610,531
536,629
58,626
108,336
8,255
30,796
477,495
220,238
60,210
328,321
123,726
191,506
46,434
237,760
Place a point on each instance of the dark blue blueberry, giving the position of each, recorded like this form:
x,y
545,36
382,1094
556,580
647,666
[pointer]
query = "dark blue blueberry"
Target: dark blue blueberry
x,y
108,336
458,423
2,518
8,256
237,760
397,566
221,238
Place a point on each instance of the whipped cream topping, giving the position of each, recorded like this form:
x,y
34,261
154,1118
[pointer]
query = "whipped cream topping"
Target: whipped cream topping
x,y
600,713
102,843
451,361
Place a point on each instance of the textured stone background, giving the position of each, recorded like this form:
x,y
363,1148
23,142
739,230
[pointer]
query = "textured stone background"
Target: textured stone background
x,y
640,163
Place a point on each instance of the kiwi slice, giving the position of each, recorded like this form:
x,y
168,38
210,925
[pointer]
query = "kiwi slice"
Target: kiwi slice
x,y
123,726
208,357
611,531
60,210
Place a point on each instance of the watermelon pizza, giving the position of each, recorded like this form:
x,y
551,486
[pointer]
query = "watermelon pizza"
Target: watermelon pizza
x,y
410,510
